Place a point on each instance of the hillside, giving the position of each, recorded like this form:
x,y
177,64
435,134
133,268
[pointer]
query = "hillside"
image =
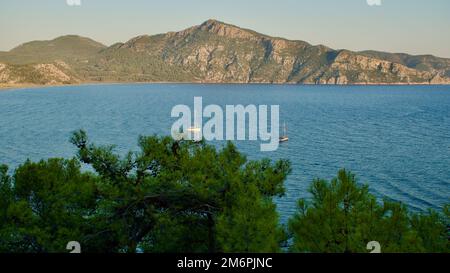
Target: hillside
x,y
67,48
37,74
420,62
216,52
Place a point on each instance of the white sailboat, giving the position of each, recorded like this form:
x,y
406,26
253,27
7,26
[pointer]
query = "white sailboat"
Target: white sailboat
x,y
195,131
284,137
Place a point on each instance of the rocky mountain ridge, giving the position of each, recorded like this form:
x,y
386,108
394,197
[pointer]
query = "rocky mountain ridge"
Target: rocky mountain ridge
x,y
214,52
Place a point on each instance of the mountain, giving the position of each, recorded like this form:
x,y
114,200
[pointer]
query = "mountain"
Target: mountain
x,y
421,62
216,52
67,48
38,74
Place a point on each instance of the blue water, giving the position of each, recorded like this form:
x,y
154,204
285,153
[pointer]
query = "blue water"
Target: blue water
x,y
396,139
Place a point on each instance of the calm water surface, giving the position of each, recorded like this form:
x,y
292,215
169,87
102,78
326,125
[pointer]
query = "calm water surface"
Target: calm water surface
x,y
396,139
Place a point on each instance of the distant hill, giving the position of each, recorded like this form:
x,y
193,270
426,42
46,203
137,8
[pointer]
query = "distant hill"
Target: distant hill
x,y
216,52
420,62
68,48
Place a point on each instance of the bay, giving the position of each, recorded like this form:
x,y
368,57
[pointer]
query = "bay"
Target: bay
x,y
394,138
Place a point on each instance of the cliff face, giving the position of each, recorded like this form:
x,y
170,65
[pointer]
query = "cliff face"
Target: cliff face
x,y
350,67
215,52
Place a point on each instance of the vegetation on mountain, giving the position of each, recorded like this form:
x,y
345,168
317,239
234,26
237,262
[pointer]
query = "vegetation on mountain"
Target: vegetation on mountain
x,y
216,52
67,48
428,63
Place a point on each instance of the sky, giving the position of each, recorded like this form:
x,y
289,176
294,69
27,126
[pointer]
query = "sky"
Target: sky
x,y
410,26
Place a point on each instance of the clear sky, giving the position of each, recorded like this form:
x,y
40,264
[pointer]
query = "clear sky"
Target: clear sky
x,y
411,26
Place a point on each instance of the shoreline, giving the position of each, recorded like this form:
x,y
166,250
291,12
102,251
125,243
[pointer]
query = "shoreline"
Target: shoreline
x,y
8,87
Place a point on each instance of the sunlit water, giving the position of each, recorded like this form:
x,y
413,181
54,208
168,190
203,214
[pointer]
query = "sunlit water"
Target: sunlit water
x,y
396,139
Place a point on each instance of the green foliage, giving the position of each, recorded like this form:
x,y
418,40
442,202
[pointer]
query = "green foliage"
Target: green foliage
x,y
48,205
5,193
343,217
181,196
249,223
170,196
